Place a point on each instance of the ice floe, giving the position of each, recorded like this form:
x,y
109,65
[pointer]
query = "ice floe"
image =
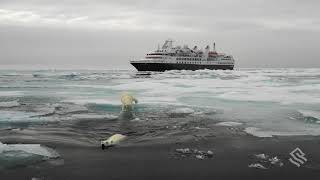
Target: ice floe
x,y
309,113
19,116
9,104
11,93
36,149
265,161
94,116
229,123
257,165
195,153
13,155
256,132
182,111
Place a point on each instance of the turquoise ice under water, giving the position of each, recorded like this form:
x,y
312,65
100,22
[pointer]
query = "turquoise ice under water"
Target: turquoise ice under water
x,y
266,101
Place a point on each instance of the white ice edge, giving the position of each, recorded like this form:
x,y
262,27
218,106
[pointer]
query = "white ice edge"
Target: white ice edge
x,y
182,111
36,149
94,116
309,113
229,123
255,132
9,104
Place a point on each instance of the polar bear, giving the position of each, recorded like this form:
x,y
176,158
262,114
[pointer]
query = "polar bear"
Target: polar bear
x,y
127,101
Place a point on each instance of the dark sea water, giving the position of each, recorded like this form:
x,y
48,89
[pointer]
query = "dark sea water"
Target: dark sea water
x,y
83,106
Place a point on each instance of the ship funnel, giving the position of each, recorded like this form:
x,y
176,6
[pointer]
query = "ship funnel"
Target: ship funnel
x,y
206,52
214,47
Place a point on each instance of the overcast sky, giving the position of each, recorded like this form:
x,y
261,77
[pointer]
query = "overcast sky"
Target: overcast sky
x,y
106,34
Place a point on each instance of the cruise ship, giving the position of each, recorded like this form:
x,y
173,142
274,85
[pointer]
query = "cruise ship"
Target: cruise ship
x,y
183,58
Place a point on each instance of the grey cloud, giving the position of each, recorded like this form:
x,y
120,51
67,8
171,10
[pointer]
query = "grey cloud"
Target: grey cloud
x,y
259,33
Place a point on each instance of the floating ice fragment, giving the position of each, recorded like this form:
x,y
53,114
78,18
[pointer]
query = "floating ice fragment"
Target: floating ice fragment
x,y
255,132
36,149
182,111
187,152
261,156
210,153
276,161
308,113
35,178
269,160
94,116
9,104
201,128
229,123
257,165
136,119
184,151
200,157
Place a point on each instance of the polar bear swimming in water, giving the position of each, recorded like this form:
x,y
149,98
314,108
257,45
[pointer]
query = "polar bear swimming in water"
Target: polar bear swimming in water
x,y
128,102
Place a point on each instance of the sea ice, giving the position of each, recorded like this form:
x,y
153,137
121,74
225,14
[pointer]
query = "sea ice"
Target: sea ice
x,y
182,111
261,156
229,123
94,116
200,157
9,104
36,149
257,165
255,132
308,113
187,152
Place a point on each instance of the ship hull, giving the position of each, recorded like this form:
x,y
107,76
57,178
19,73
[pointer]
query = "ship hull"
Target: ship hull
x,y
170,66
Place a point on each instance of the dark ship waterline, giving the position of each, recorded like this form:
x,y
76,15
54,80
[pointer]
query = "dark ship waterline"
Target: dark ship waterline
x,y
183,58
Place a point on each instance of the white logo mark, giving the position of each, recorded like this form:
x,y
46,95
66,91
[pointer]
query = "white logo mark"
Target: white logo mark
x,y
297,157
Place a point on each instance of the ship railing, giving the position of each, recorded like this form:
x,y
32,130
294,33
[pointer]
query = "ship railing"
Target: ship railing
x,y
148,61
